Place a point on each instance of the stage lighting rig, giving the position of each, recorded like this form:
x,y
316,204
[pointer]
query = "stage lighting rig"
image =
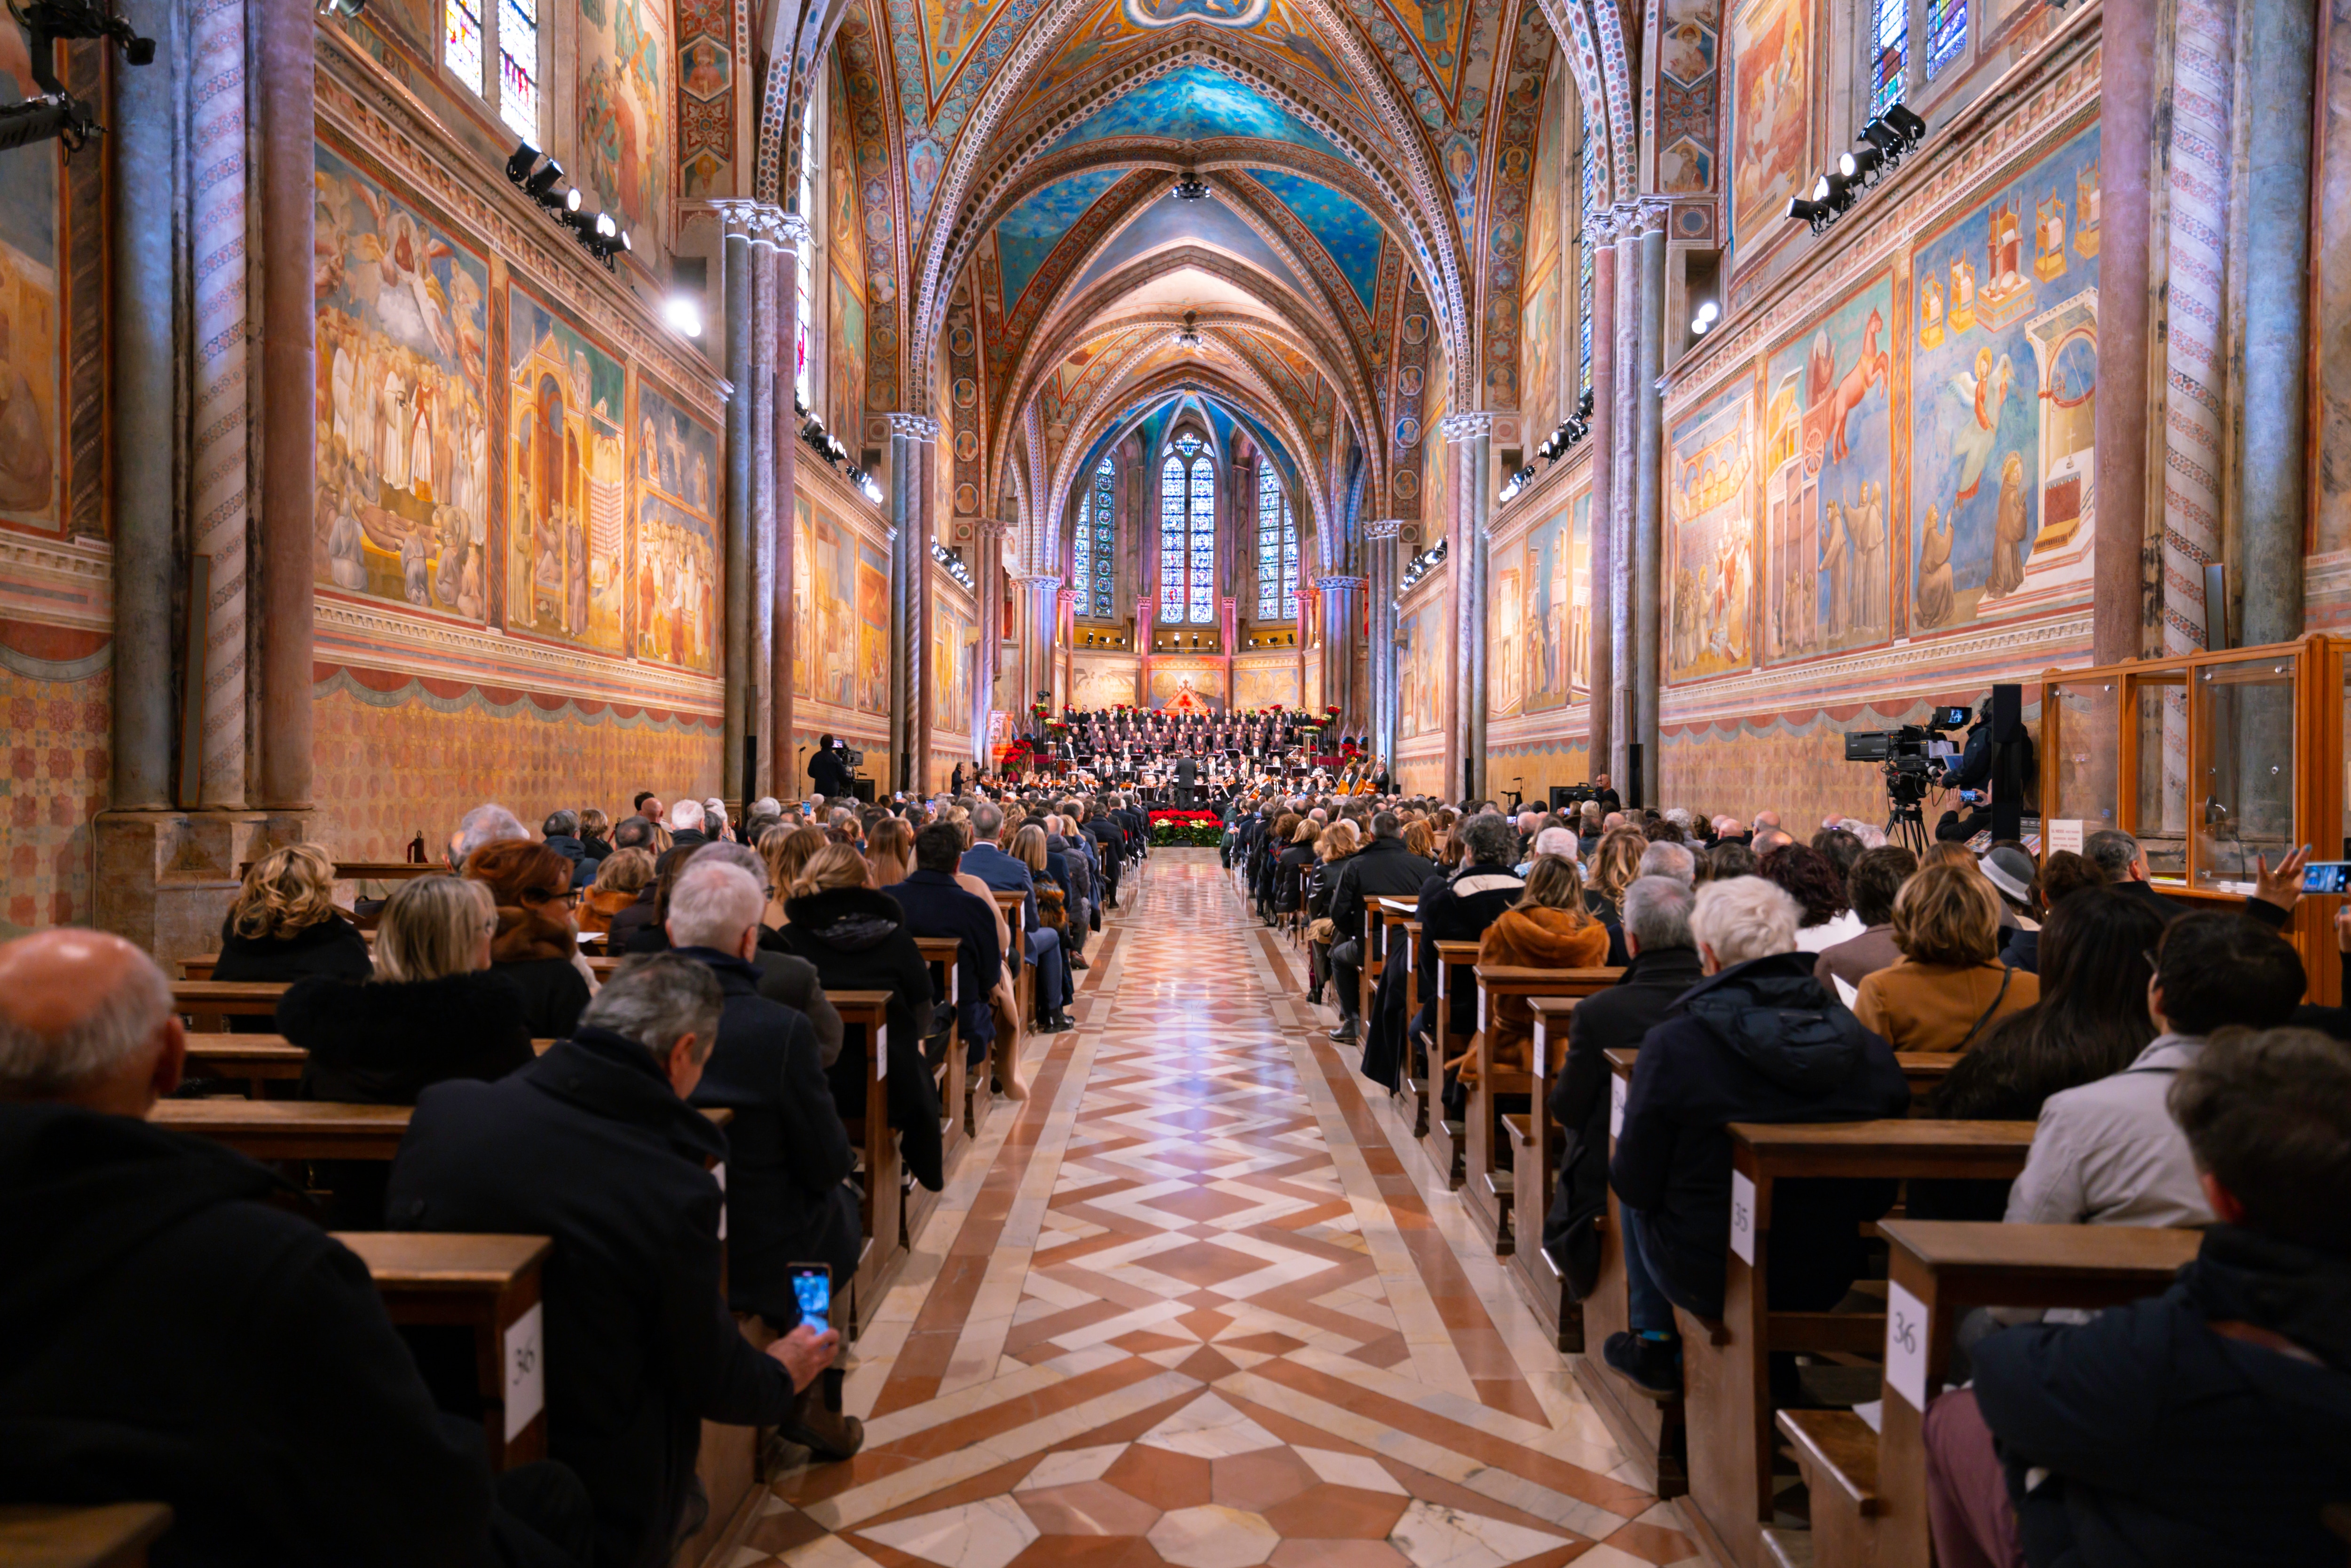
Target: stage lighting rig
x,y
54,111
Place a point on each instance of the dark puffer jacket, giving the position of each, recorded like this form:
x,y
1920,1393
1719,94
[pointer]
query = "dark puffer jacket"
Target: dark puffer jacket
x,y
1761,1041
857,940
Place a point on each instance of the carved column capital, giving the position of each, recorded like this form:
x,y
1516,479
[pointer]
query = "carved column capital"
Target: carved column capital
x,y
1466,426
1383,527
914,426
1654,214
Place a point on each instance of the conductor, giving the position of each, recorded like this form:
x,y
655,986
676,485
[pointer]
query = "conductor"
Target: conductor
x,y
827,774
1187,781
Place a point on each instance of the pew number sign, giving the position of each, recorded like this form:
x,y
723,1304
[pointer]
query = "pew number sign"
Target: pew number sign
x,y
1743,1216
1616,1092
525,1358
1905,1345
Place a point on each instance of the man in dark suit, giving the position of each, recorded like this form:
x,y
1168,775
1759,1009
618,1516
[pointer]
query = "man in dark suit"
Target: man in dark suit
x,y
1187,779
935,905
827,771
2119,855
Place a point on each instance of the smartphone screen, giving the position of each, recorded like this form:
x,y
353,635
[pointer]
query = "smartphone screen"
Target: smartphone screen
x,y
812,1288
2327,876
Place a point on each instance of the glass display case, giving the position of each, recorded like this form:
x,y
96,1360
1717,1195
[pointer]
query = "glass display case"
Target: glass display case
x,y
2215,763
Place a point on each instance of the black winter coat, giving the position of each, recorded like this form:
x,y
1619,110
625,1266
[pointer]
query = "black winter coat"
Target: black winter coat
x,y
332,947
935,904
857,940
787,1154
1616,1019
589,1146
583,870
1383,868
1761,1041
1458,909
168,1334
2175,1446
554,994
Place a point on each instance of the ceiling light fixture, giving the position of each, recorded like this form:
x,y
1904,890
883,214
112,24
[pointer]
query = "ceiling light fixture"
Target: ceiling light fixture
x,y
1190,187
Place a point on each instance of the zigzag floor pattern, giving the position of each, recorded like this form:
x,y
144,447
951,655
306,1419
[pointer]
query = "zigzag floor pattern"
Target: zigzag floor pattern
x,y
1199,1302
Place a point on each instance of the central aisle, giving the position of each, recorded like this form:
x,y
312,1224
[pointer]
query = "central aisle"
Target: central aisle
x,y
1189,1305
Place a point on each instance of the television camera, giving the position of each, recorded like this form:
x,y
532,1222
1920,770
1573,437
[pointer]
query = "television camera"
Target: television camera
x,y
1907,759
54,111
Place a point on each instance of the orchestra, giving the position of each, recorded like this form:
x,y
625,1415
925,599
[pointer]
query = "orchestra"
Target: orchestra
x,y
1196,759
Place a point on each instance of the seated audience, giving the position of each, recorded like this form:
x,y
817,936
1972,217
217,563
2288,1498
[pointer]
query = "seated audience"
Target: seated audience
x,y
625,876
2108,1152
935,904
785,849
283,926
536,946
560,833
789,1159
857,940
277,1413
1040,944
595,840
486,824
435,1010
1547,928
2121,861
1460,907
1729,858
1876,877
1388,866
889,850
2209,1426
1949,985
594,1145
1807,876
1663,962
686,824
1758,1039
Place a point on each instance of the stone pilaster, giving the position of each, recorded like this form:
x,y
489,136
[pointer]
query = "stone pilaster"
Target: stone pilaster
x,y
1600,231
1648,494
786,233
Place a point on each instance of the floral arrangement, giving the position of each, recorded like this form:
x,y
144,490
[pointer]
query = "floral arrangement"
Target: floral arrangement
x,y
1185,829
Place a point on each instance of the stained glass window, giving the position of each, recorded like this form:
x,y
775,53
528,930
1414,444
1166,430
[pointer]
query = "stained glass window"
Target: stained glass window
x,y
462,49
1889,52
1203,595
1590,184
1947,34
1276,550
1104,591
518,67
1172,539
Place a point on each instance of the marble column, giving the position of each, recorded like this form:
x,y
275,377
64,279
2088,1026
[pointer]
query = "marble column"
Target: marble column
x,y
988,593
1472,436
791,252
1383,542
912,437
1648,496
2119,600
740,685
1341,616
219,500
1599,230
286,54
1035,602
771,446
2272,470
1623,479
141,394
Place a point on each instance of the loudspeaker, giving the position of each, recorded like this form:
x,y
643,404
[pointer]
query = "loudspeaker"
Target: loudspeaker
x,y
2012,774
2007,714
1560,799
1634,795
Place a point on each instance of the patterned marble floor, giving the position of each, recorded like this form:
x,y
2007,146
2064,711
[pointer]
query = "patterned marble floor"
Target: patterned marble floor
x,y
1199,1302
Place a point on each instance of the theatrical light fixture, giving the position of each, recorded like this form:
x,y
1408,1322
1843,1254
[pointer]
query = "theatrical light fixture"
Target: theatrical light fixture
x,y
1816,214
1905,123
540,186
1888,141
1703,322
1190,187
1518,482
1861,165
1876,153
519,164
52,112
683,314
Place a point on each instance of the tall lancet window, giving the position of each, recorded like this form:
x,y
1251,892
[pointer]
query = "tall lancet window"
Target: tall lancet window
x,y
492,48
1101,585
1187,535
1889,52
1276,550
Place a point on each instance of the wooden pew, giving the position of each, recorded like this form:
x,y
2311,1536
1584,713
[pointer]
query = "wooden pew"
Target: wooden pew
x,y
941,953
883,1210
490,1286
269,1129
210,1004
1403,941
1536,1147
1870,1489
602,967
374,871
110,1535
1489,1187
1726,1366
257,1059
1651,1432
1024,984
1443,1137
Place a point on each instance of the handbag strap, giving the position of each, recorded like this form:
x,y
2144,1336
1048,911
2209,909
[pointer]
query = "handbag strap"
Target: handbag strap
x,y
1983,1018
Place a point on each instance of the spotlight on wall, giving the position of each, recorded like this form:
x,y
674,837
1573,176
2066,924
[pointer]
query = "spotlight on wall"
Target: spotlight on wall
x,y
540,187
684,314
518,165
1518,482
1905,123
1815,213
1703,322
1863,164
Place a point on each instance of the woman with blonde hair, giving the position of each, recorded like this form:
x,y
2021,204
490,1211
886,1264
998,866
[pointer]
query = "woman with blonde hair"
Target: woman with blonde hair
x,y
1614,863
1547,928
536,944
433,1011
1948,987
856,936
625,875
283,925
786,851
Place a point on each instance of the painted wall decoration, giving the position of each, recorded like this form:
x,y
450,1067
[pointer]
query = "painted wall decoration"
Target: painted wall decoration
x,y
2004,386
1828,521
31,315
954,641
873,629
1193,103
675,468
567,471
1554,611
844,229
1420,683
1543,307
845,354
624,141
1101,682
705,98
1187,690
1689,52
1770,121
1509,650
2330,262
1265,685
1709,537
402,508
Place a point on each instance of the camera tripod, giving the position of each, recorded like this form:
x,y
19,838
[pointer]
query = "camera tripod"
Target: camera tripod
x,y
1905,825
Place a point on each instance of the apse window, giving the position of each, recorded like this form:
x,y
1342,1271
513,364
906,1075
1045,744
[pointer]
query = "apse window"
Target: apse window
x,y
1889,53
1187,535
475,33
1590,174
1099,584
1946,34
1277,550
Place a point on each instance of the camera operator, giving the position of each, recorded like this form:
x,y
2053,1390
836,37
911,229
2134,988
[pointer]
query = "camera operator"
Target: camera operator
x,y
1968,773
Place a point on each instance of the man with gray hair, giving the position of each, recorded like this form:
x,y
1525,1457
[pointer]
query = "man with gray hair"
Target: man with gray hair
x,y
789,1155
1662,964
2123,862
686,824
107,1221
487,823
595,1146
1667,859
1460,908
1757,1040
1043,944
